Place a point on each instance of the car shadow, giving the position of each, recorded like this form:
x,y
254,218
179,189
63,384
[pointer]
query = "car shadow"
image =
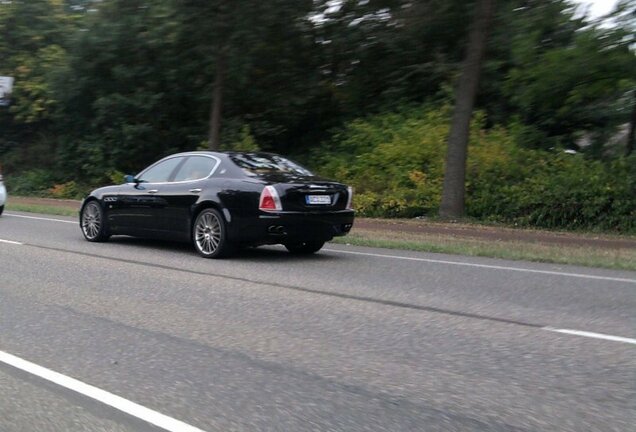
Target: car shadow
x,y
271,253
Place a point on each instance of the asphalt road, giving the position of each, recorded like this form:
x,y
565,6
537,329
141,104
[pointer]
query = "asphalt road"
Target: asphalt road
x,y
116,336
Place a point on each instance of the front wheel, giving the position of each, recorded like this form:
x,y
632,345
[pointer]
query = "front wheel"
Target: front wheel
x,y
93,223
1,209
209,234
304,248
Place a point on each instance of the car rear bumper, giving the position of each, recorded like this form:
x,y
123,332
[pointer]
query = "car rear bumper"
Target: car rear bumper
x,y
3,194
293,226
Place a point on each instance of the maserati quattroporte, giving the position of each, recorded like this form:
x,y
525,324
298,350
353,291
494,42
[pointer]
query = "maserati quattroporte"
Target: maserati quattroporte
x,y
221,201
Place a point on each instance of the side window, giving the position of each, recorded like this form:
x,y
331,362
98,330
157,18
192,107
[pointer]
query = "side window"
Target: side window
x,y
161,172
195,168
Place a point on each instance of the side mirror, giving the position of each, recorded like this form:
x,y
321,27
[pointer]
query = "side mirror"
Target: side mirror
x,y
130,179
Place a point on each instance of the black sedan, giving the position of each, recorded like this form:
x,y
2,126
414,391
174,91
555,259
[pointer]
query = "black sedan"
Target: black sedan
x,y
221,201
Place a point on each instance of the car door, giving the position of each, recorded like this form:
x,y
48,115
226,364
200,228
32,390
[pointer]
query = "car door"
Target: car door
x,y
140,206
181,194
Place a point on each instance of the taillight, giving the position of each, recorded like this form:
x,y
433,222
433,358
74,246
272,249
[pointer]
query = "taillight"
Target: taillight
x,y
350,198
270,201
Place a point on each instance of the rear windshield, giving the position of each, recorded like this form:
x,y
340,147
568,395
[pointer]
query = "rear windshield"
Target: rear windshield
x,y
255,164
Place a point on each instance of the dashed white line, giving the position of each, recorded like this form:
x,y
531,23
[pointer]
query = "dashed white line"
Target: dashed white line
x,y
592,335
131,408
487,266
41,218
11,242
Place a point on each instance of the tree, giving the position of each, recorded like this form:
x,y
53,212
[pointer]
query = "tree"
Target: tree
x,y
625,16
227,37
381,54
631,136
452,205
214,138
33,51
556,76
120,110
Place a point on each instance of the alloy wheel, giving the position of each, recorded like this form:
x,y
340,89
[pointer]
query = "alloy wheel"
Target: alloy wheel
x,y
93,224
207,233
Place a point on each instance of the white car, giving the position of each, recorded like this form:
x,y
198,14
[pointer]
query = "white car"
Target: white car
x,y
3,195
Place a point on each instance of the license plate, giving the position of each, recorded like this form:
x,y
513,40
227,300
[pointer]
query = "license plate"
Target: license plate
x,y
318,199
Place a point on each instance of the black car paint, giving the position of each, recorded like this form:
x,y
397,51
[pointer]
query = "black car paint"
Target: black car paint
x,y
135,209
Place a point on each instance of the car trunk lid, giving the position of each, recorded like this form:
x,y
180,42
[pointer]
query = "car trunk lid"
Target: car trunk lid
x,y
312,194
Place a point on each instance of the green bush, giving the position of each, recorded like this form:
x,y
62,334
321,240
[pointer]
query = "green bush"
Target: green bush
x,y
35,182
395,163
563,191
44,183
115,177
69,190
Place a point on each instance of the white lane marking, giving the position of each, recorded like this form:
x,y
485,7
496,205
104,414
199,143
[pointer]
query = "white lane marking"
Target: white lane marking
x,y
112,400
591,335
493,267
429,260
41,218
10,242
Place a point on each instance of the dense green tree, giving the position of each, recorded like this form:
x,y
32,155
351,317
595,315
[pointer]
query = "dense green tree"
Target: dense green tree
x,y
143,76
380,54
111,85
625,17
120,106
247,46
558,74
33,52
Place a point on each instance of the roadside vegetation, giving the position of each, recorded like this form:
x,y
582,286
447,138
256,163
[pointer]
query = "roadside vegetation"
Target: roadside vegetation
x,y
42,209
395,163
361,91
612,258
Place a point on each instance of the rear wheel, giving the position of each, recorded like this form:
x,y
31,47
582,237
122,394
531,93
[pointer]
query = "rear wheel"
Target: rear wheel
x,y
93,223
1,209
304,248
209,234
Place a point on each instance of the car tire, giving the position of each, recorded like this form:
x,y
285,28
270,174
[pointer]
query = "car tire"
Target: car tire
x,y
93,222
209,234
304,248
1,209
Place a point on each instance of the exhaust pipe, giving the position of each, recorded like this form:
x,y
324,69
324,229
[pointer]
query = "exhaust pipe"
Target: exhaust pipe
x,y
276,230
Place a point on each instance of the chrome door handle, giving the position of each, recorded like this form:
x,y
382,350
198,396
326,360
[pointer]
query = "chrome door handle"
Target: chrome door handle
x,y
153,191
195,190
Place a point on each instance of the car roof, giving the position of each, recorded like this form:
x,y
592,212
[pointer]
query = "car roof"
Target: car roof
x,y
218,154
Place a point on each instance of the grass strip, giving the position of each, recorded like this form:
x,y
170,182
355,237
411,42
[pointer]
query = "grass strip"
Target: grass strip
x,y
44,209
619,259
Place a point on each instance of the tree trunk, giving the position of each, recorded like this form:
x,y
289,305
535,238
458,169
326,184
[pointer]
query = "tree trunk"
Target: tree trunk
x,y
453,191
214,137
631,136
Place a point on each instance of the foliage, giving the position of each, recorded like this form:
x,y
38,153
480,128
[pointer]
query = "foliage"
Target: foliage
x,y
559,191
34,182
115,177
560,74
34,97
68,190
244,141
394,162
105,86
